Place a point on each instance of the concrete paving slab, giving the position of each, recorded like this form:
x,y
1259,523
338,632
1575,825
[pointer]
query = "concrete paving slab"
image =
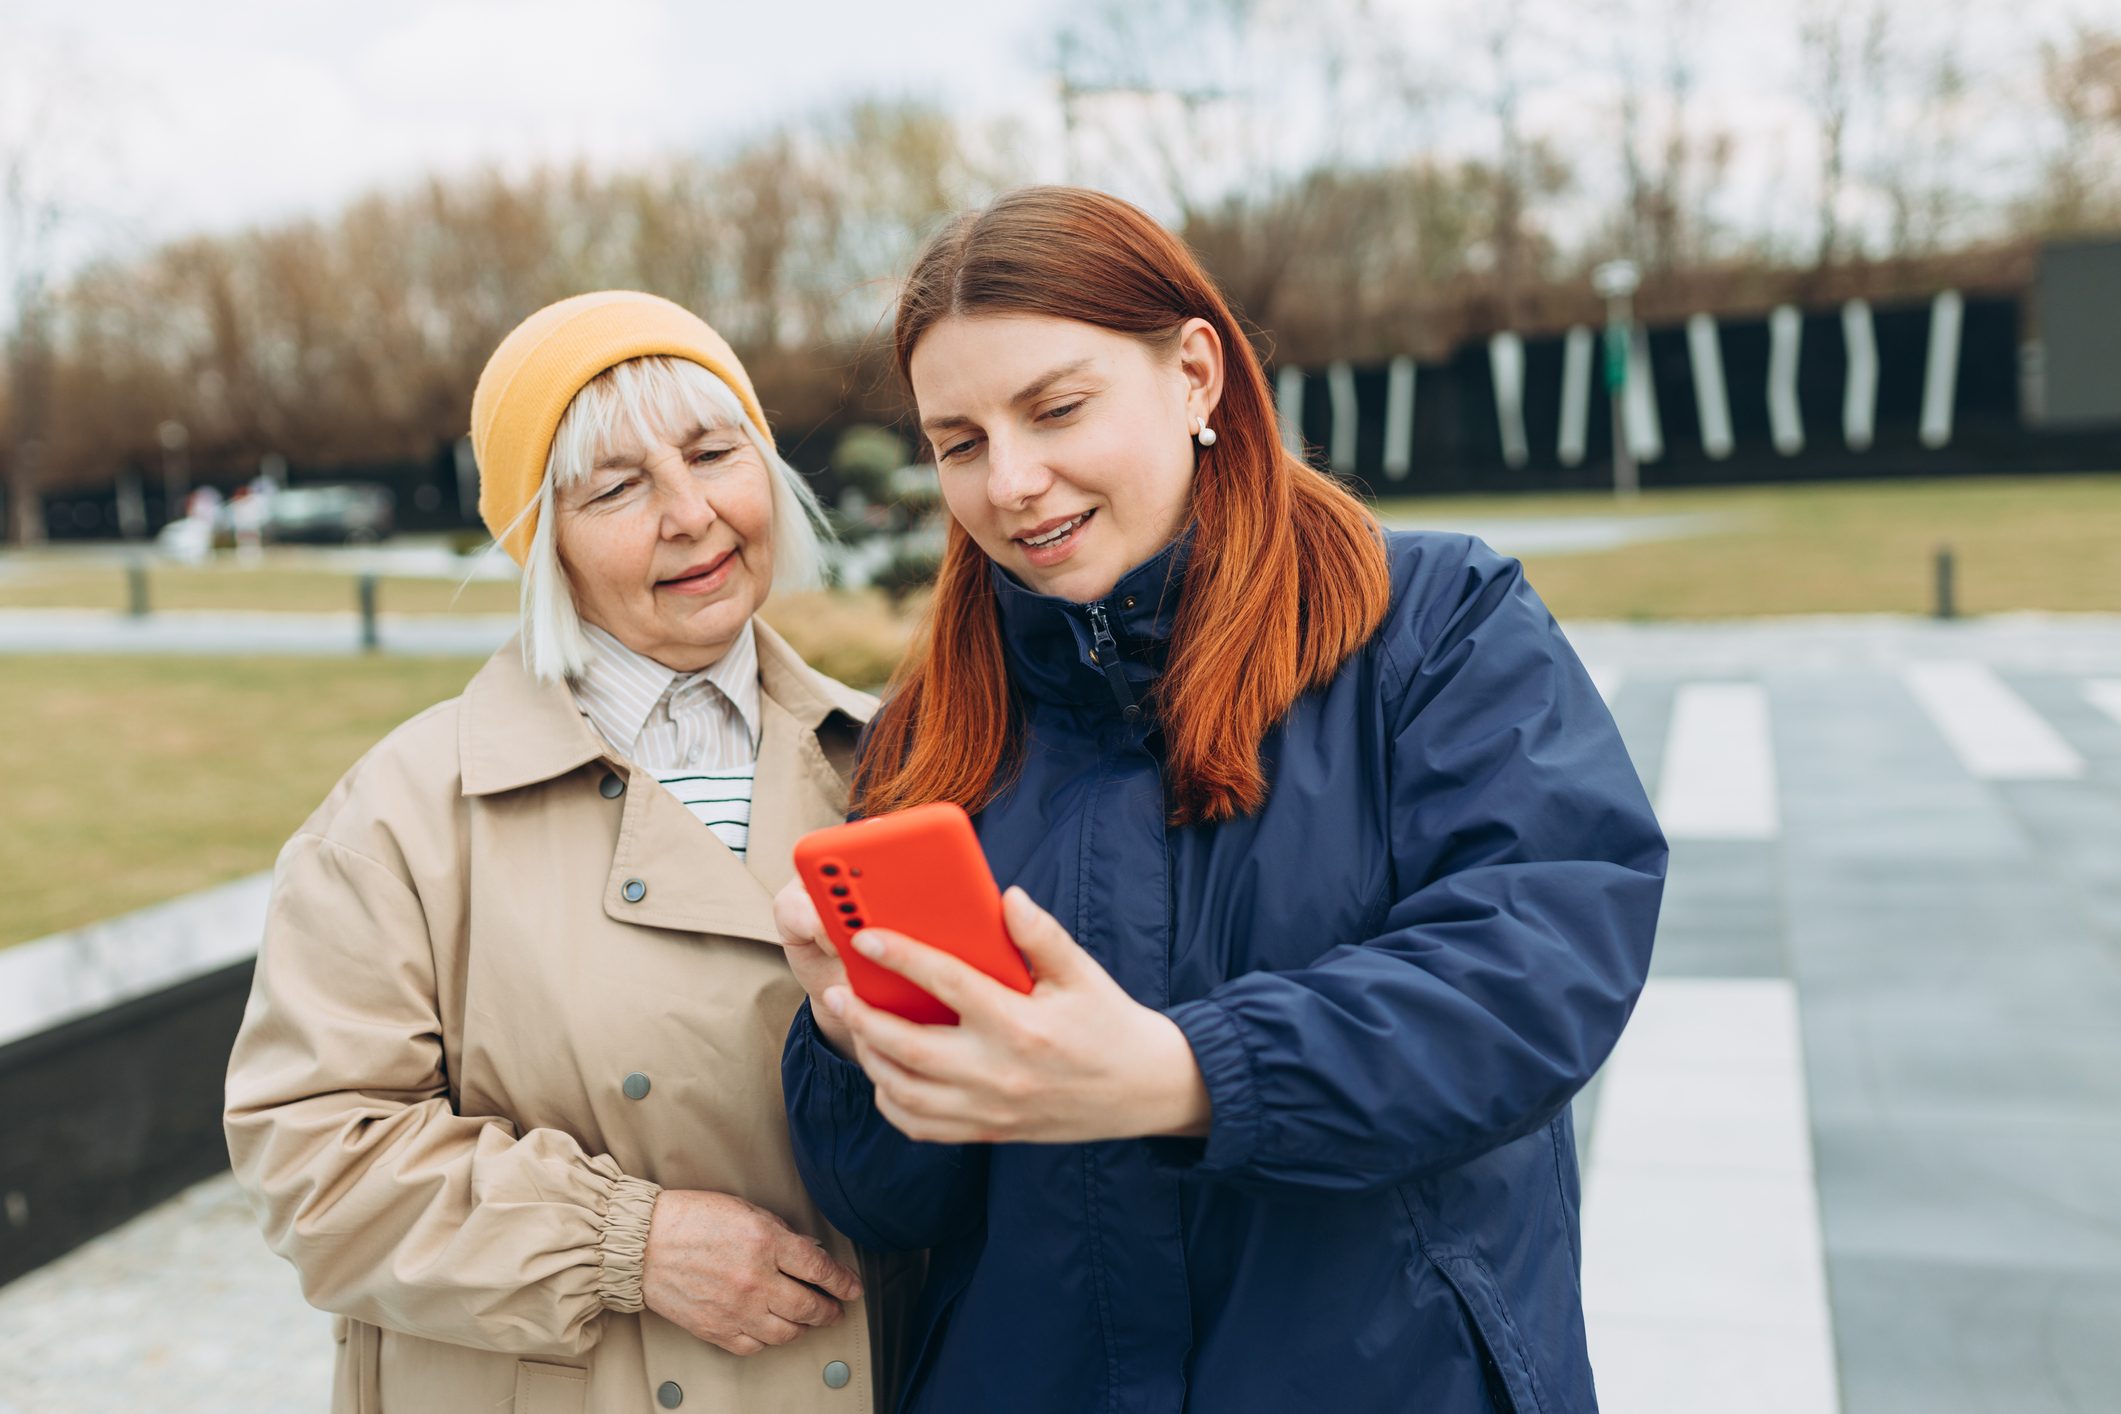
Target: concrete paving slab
x,y
1949,1338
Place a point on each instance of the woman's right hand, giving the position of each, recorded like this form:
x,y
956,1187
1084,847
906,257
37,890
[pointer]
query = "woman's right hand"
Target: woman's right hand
x,y
734,1275
812,959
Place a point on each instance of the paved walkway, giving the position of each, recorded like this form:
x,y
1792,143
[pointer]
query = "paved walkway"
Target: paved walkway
x,y
226,632
1860,1149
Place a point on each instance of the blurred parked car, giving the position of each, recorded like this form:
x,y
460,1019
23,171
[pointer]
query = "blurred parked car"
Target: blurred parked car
x,y
356,513
352,513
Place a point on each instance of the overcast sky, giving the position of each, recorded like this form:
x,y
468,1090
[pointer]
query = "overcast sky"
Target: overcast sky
x,y
210,114
220,112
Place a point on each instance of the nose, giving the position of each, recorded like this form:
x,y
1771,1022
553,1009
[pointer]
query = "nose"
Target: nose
x,y
1015,475
687,511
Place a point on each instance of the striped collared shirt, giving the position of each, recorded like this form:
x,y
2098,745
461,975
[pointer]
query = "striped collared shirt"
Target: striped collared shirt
x,y
697,732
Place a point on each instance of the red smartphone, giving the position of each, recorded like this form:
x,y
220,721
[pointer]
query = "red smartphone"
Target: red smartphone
x,y
917,872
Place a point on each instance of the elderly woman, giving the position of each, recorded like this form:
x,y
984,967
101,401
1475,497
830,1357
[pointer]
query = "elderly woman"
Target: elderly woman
x,y
507,1090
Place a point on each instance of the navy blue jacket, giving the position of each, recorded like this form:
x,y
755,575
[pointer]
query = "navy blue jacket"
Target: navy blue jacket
x,y
1394,976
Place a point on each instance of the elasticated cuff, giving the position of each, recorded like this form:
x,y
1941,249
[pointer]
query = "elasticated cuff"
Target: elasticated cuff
x,y
623,1246
847,1087
1233,1094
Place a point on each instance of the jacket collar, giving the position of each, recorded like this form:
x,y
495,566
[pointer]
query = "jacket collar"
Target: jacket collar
x,y
516,731
1049,639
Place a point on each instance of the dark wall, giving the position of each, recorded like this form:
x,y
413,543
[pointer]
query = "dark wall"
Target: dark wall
x,y
1457,442
106,1116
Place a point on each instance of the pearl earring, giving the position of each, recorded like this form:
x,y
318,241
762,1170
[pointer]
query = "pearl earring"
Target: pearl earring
x,y
1206,434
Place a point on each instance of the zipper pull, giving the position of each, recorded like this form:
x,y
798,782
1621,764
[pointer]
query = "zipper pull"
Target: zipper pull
x,y
1106,655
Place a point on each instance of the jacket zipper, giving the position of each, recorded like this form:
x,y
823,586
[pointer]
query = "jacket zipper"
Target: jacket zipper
x,y
1106,655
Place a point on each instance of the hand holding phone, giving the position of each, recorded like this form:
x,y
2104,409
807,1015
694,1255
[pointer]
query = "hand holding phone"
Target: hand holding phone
x,y
919,873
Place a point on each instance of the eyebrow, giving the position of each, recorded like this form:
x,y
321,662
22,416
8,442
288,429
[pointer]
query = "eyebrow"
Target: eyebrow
x,y
627,460
1025,394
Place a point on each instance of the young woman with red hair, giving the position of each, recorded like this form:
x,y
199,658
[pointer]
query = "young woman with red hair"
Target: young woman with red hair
x,y
1332,870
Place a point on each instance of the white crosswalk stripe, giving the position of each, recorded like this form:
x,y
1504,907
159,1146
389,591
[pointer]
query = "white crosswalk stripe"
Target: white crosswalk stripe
x,y
1718,781
1703,1275
1994,731
2105,694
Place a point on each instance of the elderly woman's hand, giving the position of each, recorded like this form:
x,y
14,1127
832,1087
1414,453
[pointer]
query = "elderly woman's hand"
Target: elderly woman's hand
x,y
1075,1060
735,1276
812,959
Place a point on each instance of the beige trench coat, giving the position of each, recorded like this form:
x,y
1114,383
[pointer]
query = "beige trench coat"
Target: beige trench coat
x,y
488,927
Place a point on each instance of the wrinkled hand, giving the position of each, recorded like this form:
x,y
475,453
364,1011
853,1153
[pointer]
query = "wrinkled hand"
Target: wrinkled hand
x,y
1076,1059
735,1276
811,958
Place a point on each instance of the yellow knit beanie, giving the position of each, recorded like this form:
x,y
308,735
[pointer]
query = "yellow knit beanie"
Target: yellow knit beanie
x,y
551,356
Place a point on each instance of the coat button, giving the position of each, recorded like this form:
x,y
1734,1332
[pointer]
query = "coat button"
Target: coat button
x,y
837,1374
611,787
636,1086
669,1395
634,891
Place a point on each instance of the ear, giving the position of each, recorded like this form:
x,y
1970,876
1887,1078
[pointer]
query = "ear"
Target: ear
x,y
1200,361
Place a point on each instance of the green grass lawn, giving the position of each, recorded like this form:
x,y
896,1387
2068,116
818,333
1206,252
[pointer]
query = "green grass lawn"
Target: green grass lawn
x,y
134,779
2050,542
1852,547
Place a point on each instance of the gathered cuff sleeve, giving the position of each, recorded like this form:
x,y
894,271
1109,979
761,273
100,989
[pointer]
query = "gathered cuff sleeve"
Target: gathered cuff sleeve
x,y
622,1250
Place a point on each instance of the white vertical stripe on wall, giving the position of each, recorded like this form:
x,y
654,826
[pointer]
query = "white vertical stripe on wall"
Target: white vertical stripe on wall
x,y
1940,380
1785,417
1576,352
1289,406
1399,419
1340,386
1712,400
1645,427
1506,372
1859,405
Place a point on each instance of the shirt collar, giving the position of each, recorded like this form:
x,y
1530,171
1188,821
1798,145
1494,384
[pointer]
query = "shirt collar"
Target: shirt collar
x,y
621,687
516,731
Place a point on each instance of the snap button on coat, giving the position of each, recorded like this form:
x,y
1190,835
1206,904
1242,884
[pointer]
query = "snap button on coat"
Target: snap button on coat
x,y
669,1395
634,891
611,787
836,1375
636,1086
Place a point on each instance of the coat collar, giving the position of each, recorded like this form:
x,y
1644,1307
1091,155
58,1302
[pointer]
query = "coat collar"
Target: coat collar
x,y
1049,639
516,731
667,870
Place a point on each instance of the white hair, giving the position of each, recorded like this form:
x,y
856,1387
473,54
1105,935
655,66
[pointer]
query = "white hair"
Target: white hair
x,y
641,402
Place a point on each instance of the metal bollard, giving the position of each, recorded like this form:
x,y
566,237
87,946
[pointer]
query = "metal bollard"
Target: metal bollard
x,y
1946,608
136,589
365,586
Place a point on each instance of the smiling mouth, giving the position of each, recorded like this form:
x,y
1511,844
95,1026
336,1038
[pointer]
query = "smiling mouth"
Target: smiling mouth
x,y
698,572
1058,533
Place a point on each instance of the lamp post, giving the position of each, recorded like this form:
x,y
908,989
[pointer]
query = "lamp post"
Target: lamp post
x,y
1616,281
176,475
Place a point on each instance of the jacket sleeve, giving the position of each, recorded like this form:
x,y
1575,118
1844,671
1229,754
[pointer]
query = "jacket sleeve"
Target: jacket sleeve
x,y
395,1209
887,1192
1528,871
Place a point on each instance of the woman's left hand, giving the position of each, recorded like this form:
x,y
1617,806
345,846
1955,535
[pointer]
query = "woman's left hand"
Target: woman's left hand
x,y
1076,1059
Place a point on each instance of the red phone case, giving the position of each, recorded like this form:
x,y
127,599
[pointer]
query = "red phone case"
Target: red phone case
x,y
918,872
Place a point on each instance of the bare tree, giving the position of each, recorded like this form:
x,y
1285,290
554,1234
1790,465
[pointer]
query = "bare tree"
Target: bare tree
x,y
2081,81
1844,48
33,214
